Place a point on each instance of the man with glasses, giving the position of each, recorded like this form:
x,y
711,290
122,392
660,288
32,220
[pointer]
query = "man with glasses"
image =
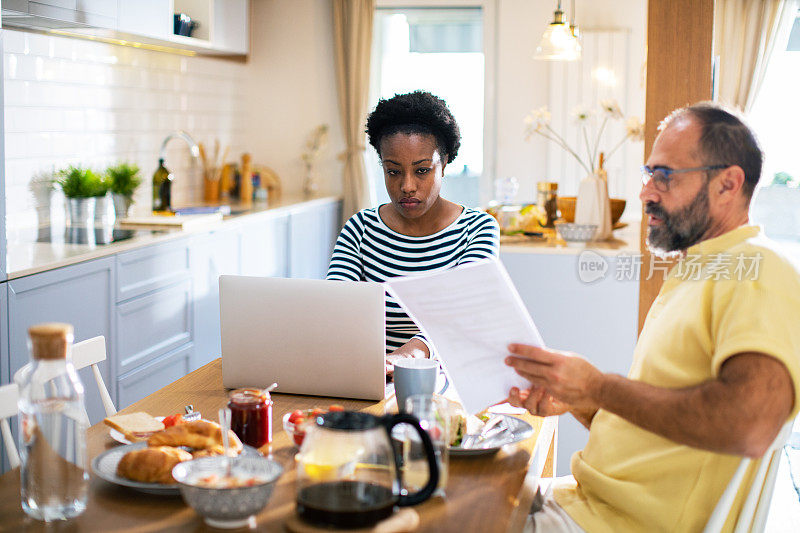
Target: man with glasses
x,y
716,369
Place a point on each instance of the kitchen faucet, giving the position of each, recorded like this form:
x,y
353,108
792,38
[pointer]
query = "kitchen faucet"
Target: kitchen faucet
x,y
162,179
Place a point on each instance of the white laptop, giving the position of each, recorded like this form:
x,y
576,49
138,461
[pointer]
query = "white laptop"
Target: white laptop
x,y
324,338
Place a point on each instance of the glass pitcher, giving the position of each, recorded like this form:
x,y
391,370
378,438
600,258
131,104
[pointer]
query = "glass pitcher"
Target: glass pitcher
x,y
347,469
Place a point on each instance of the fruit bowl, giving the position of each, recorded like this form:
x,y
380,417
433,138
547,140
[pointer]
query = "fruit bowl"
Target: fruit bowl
x,y
294,423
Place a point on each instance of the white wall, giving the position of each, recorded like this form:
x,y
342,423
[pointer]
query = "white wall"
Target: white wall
x,y
291,84
523,82
72,101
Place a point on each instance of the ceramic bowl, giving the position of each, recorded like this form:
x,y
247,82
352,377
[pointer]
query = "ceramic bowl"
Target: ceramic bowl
x,y
576,234
227,508
566,205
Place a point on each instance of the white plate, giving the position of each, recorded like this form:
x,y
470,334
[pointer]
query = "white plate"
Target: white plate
x,y
119,437
105,467
519,430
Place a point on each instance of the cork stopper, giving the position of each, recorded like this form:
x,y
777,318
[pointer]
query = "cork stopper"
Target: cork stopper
x,y
50,340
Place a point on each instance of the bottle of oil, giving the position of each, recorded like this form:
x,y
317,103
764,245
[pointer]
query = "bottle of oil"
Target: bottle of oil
x,y
162,188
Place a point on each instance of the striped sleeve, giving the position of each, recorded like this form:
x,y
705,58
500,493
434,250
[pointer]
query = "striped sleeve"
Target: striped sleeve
x,y
346,263
485,239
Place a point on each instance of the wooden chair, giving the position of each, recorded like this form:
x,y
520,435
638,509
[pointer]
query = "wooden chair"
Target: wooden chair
x,y
753,516
9,394
89,353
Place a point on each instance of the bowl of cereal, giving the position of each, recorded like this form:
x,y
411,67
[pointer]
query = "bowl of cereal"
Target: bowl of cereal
x,y
227,500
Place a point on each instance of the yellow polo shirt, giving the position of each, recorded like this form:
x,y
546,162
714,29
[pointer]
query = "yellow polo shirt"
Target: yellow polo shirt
x,y
731,294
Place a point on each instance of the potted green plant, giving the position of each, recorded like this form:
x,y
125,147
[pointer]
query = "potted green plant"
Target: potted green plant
x,y
81,186
124,179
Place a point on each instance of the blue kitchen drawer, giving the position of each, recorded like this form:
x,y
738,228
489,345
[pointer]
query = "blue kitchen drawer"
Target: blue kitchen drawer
x,y
152,325
156,374
149,268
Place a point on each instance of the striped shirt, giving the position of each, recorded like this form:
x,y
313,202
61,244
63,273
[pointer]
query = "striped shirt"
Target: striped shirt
x,y
368,250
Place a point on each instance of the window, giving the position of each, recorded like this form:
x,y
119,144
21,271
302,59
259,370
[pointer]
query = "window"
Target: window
x,y
440,51
775,116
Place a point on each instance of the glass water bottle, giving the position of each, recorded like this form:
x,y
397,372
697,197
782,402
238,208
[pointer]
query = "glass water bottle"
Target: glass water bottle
x,y
52,428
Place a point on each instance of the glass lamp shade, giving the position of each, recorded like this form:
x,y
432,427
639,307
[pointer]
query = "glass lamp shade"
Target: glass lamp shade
x,y
558,44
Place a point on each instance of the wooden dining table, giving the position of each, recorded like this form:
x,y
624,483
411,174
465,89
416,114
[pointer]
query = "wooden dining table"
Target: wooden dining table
x,y
487,493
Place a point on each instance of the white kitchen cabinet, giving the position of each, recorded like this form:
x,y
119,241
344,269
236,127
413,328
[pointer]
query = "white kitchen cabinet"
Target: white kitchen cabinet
x,y
231,30
313,232
150,18
265,247
81,295
212,255
224,24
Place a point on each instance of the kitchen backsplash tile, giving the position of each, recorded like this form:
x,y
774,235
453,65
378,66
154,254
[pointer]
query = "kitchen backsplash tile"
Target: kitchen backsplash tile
x,y
69,101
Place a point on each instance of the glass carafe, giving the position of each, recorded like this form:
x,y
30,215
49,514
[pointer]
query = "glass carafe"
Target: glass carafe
x,y
52,419
347,470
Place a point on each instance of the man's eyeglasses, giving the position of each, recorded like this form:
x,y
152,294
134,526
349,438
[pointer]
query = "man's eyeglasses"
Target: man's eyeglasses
x,y
662,177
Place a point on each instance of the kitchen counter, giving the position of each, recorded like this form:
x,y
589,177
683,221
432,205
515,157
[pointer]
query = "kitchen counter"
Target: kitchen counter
x,y
624,242
26,258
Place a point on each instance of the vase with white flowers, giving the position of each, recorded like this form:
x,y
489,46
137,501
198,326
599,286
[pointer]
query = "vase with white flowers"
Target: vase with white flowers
x,y
314,145
592,200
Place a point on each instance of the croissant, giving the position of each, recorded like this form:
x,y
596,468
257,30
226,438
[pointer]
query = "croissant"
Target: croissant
x,y
198,435
151,465
211,452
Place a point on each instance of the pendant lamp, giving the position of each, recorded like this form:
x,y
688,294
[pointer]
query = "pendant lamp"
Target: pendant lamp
x,y
560,40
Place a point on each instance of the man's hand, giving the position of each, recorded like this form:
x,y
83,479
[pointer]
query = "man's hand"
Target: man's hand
x,y
537,401
568,379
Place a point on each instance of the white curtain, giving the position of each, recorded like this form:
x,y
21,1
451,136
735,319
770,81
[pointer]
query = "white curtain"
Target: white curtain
x,y
746,33
352,26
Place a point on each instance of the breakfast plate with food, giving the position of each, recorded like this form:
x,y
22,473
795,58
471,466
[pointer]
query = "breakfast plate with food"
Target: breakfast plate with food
x,y
494,432
137,427
147,465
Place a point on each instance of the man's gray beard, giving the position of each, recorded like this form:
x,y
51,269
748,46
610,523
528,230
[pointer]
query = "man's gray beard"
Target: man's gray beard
x,y
679,230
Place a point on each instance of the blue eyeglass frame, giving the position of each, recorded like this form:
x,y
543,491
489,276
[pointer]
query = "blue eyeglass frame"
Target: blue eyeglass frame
x,y
662,183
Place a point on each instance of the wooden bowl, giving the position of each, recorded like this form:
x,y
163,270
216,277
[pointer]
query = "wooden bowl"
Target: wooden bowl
x,y
566,204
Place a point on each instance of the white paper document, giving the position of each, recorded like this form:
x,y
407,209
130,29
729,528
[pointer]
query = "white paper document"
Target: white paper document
x,y
470,314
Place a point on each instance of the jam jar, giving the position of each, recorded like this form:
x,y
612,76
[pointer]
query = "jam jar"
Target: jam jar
x,y
251,416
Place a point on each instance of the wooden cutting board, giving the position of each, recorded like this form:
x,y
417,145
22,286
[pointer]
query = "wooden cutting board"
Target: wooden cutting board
x,y
174,221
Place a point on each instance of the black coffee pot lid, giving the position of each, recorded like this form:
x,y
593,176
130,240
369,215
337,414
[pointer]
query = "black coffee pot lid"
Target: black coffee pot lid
x,y
348,420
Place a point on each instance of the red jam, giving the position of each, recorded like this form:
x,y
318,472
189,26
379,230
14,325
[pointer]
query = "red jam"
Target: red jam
x,y
251,416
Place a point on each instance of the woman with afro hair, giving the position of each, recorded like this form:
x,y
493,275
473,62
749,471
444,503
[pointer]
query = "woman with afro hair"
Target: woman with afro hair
x,y
418,231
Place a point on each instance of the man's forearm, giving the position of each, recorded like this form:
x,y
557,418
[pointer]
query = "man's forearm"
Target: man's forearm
x,y
727,417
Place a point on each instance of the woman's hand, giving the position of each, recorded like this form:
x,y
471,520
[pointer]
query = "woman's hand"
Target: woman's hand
x,y
413,349
390,360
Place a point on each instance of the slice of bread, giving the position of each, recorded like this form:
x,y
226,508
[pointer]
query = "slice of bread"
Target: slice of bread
x,y
135,426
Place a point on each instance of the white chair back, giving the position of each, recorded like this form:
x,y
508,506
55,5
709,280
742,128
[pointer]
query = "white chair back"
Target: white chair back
x,y
753,516
9,395
88,353
91,352
548,437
